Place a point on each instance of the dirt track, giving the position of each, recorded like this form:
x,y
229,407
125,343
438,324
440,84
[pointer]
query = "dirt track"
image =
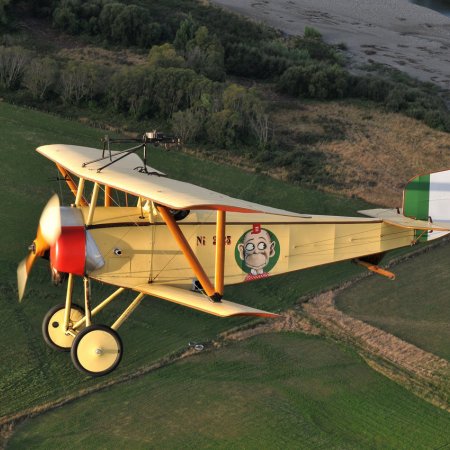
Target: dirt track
x,y
425,373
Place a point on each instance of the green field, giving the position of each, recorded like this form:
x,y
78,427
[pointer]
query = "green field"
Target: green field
x,y
309,405
415,308
277,391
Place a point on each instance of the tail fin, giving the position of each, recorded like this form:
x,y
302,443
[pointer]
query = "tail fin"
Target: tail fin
x,y
427,197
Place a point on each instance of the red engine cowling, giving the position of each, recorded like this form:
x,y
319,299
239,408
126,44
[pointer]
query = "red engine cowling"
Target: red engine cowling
x,y
68,254
75,251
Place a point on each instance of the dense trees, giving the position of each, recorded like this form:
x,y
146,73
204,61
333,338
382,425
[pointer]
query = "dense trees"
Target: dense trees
x,y
116,22
189,56
202,50
315,80
200,110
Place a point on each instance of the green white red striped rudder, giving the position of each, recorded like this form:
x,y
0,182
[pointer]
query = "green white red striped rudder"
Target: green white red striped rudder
x,y
427,197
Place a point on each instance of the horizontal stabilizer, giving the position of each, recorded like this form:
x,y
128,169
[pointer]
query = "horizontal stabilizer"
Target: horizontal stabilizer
x,y
394,217
200,302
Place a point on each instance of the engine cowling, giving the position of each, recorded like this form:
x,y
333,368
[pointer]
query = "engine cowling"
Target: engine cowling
x,y
75,250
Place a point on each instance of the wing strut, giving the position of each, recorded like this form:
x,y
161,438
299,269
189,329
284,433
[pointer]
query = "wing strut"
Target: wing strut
x,y
220,252
189,254
72,186
108,196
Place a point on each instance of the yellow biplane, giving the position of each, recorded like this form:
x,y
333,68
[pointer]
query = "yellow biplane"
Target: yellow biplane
x,y
183,243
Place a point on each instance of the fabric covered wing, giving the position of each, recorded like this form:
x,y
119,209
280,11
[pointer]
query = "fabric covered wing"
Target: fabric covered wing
x,y
122,175
200,302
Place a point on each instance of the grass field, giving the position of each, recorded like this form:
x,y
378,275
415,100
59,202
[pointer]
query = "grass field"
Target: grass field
x,y
273,391
416,308
313,392
30,373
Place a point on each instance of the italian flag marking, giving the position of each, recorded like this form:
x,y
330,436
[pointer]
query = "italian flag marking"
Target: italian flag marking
x,y
428,196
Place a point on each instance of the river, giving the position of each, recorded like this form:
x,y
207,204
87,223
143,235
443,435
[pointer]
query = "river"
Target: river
x,y
441,6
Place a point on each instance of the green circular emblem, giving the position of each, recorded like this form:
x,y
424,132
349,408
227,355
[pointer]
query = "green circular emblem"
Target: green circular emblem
x,y
257,251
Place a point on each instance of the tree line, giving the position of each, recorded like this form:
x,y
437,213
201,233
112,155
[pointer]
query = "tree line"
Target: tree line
x,y
184,78
199,109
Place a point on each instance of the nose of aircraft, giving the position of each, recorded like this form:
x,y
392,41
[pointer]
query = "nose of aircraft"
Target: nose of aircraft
x,y
48,231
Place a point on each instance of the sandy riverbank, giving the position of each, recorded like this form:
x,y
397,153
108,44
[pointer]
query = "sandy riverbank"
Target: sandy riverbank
x,y
393,32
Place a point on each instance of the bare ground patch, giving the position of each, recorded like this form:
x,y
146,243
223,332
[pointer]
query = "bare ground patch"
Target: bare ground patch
x,y
427,375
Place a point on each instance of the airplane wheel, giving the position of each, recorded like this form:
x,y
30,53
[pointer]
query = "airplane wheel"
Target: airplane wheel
x,y
179,214
53,327
97,350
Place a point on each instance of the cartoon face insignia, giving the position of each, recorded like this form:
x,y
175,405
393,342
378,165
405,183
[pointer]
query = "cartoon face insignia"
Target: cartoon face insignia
x,y
257,252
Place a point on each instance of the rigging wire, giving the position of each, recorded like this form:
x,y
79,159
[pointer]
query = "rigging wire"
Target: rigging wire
x,y
59,179
206,220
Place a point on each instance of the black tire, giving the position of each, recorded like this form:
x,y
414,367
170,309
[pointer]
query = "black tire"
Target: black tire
x,y
50,321
86,356
179,214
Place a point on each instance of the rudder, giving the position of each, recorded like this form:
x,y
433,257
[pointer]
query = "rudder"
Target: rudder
x,y
427,197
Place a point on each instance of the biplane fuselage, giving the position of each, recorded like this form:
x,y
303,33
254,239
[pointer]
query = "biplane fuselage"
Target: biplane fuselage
x,y
138,251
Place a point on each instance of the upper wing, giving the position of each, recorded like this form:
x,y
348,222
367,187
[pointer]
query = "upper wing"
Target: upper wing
x,y
393,217
123,175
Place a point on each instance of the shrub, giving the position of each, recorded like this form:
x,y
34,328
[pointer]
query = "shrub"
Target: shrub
x,y
165,56
369,87
185,33
317,49
253,62
320,81
188,124
312,33
40,76
80,82
201,49
205,54
65,17
130,92
396,100
13,61
222,128
437,119
3,16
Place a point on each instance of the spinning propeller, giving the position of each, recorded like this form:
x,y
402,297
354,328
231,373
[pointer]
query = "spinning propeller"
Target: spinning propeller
x,y
48,232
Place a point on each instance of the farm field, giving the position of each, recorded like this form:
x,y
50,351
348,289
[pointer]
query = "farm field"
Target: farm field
x,y
282,390
30,373
417,309
313,391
